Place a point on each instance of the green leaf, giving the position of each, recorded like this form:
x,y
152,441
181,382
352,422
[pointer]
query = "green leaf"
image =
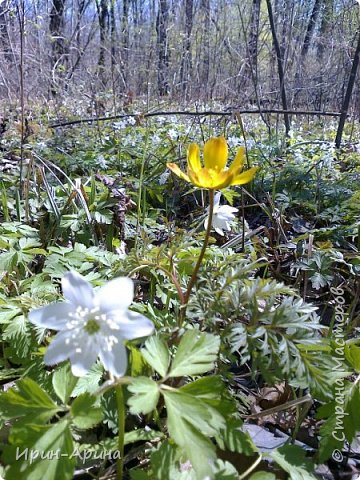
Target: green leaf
x,y
343,420
42,451
142,435
197,448
146,395
212,390
64,382
233,438
163,462
225,471
156,353
85,415
195,411
352,354
292,459
138,365
27,398
262,476
352,407
8,313
196,354
89,382
207,388
328,442
17,333
139,474
189,421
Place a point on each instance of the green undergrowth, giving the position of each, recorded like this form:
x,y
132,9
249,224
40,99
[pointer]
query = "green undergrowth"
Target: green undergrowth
x,y
276,301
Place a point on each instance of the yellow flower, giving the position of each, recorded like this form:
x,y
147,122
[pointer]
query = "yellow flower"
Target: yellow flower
x,y
214,174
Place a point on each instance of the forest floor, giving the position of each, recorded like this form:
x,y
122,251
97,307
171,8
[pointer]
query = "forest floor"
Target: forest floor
x,y
271,383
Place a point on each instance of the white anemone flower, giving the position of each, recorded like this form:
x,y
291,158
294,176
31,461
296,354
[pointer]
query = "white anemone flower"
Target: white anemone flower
x,y
223,216
92,324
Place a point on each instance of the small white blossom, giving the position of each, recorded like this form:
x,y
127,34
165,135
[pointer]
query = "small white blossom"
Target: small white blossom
x,y
329,155
92,324
161,120
173,134
223,216
129,140
234,141
102,162
163,177
155,139
120,124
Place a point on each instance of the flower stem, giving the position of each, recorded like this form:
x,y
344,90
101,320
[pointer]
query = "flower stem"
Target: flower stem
x,y
199,260
121,423
171,275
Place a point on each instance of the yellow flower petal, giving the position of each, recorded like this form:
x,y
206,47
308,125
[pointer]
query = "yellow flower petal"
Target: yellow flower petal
x,y
201,178
238,163
215,153
207,178
224,180
244,177
213,175
193,157
175,169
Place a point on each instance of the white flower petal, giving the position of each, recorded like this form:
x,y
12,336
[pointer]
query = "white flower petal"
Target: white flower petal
x,y
219,222
54,315
225,217
115,295
115,359
217,199
228,210
84,357
132,324
77,290
60,348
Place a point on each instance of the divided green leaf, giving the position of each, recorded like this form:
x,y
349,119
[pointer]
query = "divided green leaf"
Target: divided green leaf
x,y
146,395
85,414
64,382
292,459
27,398
41,451
197,353
156,353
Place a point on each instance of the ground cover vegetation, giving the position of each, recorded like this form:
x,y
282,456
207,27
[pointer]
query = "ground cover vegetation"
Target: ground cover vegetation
x,y
254,341
179,240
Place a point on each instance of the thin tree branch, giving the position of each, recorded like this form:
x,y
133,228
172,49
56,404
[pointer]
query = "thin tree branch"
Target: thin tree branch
x,y
280,67
348,94
193,114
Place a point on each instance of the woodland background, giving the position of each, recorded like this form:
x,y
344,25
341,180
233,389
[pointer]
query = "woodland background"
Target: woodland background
x,y
270,53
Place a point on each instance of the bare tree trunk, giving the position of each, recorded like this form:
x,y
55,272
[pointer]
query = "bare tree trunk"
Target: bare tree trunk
x,y
103,15
56,25
250,72
310,28
80,11
205,64
280,67
125,42
349,90
306,43
4,34
324,27
162,45
186,62
113,36
322,93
